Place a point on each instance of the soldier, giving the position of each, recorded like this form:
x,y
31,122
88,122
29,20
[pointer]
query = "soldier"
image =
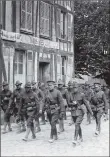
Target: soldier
x,y
5,97
15,99
68,95
55,108
44,91
63,92
76,103
88,94
40,98
98,105
30,105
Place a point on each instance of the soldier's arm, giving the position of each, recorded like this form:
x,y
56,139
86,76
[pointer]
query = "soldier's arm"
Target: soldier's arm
x,y
105,103
86,103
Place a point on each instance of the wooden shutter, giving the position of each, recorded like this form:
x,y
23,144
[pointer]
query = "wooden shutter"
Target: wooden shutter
x,y
70,22
70,67
58,19
59,67
29,65
29,15
23,14
44,19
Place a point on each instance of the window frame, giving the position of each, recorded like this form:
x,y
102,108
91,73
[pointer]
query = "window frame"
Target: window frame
x,y
50,21
25,30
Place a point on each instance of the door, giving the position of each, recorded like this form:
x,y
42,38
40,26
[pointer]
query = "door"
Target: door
x,y
44,72
19,66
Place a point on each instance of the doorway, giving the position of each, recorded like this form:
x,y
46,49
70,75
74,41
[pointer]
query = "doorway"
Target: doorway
x,y
44,71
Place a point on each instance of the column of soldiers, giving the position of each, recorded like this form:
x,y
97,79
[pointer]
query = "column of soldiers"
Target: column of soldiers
x,y
50,102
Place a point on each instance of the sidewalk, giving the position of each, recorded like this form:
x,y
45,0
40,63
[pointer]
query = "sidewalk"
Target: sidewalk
x,y
12,144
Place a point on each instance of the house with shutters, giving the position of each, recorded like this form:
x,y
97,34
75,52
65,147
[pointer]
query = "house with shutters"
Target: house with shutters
x,y
38,40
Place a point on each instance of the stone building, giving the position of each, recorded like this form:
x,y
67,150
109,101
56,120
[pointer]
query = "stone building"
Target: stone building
x,y
38,40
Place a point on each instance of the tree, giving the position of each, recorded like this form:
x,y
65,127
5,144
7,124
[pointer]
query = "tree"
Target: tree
x,y
92,51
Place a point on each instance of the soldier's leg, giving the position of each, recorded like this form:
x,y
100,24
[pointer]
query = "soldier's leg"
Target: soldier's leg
x,y
99,115
88,118
37,124
65,117
23,127
71,122
54,119
61,125
6,120
29,125
5,123
33,131
78,130
43,118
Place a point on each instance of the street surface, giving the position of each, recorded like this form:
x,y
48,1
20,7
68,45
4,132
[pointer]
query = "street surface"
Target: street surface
x,y
12,144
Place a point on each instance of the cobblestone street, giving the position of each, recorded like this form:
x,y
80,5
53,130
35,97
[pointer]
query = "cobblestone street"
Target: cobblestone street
x,y
12,144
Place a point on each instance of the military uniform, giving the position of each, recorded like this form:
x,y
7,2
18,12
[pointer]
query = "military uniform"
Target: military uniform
x,y
55,108
88,94
98,105
29,105
76,103
68,93
40,99
15,100
63,92
5,97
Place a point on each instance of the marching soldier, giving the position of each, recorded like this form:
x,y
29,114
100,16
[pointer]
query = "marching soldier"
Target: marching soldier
x,y
76,103
68,95
30,105
63,92
55,108
98,105
40,98
44,91
5,97
15,99
88,94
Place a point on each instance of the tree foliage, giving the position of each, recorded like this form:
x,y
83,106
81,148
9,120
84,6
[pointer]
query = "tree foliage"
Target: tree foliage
x,y
92,51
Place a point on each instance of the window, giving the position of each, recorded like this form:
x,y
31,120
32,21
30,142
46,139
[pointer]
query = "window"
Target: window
x,y
26,15
70,23
61,24
18,63
45,19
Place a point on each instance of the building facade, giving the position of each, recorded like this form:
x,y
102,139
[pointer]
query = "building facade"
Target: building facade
x,y
38,40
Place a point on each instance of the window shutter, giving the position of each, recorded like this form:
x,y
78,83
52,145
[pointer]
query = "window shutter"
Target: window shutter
x,y
29,15
70,21
59,67
29,66
58,19
44,19
23,14
70,67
